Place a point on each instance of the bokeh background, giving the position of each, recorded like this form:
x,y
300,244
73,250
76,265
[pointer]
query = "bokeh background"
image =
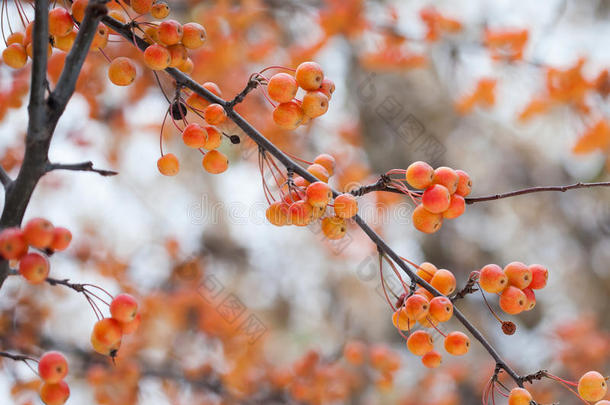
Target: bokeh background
x,y
238,311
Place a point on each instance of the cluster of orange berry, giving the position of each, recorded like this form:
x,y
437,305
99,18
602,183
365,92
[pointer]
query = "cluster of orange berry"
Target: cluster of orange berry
x,y
515,284
443,195
592,387
290,113
198,136
108,332
52,369
422,308
304,202
40,234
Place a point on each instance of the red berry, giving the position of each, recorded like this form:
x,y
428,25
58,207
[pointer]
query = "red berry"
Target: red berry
x,y
52,367
416,307
130,327
60,22
457,205
530,297
288,115
61,239
518,274
34,267
432,359
327,87
436,199
107,331
194,136
420,175
441,309
513,300
38,233
301,213
12,244
464,183
447,177
420,342
214,114
170,32
157,57
124,308
401,320
319,194
540,276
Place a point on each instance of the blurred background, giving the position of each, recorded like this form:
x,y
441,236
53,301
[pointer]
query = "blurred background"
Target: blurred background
x,y
236,310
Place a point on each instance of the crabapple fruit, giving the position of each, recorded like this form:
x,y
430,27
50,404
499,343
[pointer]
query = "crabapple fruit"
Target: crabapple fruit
x,y
420,342
193,36
315,104
215,162
159,10
319,194
38,233
122,71
436,199
426,271
309,76
54,393
334,227
288,115
319,172
168,165
107,331
592,386
540,276
52,367
282,87
416,307
444,281
401,320
420,175
327,161
194,136
170,32
518,274
60,22
457,343
277,213
530,297
457,205
464,183
513,300
15,56
346,205
447,177
214,114
124,308
157,57
426,221
493,279
34,267
432,359
441,309
12,244
519,396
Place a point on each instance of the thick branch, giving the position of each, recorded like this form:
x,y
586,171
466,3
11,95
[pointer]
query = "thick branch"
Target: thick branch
x,y
40,47
81,167
265,144
5,179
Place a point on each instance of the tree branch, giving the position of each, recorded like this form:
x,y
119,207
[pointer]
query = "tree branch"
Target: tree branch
x,y
530,190
185,81
82,167
40,44
5,179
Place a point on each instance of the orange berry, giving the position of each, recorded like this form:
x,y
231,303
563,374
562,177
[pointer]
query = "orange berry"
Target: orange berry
x,y
282,87
100,40
530,296
301,213
288,115
540,276
12,244
55,394
194,136
447,177
187,66
592,386
214,138
432,359
15,56
354,352
327,161
513,300
334,227
177,54
319,172
457,205
122,71
38,233
277,213
193,35
444,281
426,221
420,175
519,396
441,309
518,274
107,331
457,343
124,308
170,32
52,367
426,271
34,268
315,104
60,22
416,307
436,199
319,194
212,88
215,162
214,114
493,279
157,57
65,43
420,342
425,293
103,349
327,87
401,320
130,327
141,6
309,76
168,165
159,10
464,183
15,38
346,205
78,9
151,34
197,102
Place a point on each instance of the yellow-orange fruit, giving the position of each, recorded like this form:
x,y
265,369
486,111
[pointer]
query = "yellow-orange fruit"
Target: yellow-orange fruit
x,y
122,71
193,35
215,162
168,165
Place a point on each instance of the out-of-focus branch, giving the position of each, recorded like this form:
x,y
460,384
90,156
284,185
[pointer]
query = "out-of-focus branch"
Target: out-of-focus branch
x,y
5,179
81,167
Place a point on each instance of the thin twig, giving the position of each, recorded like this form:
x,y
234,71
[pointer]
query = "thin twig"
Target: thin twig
x,y
17,357
5,179
82,167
